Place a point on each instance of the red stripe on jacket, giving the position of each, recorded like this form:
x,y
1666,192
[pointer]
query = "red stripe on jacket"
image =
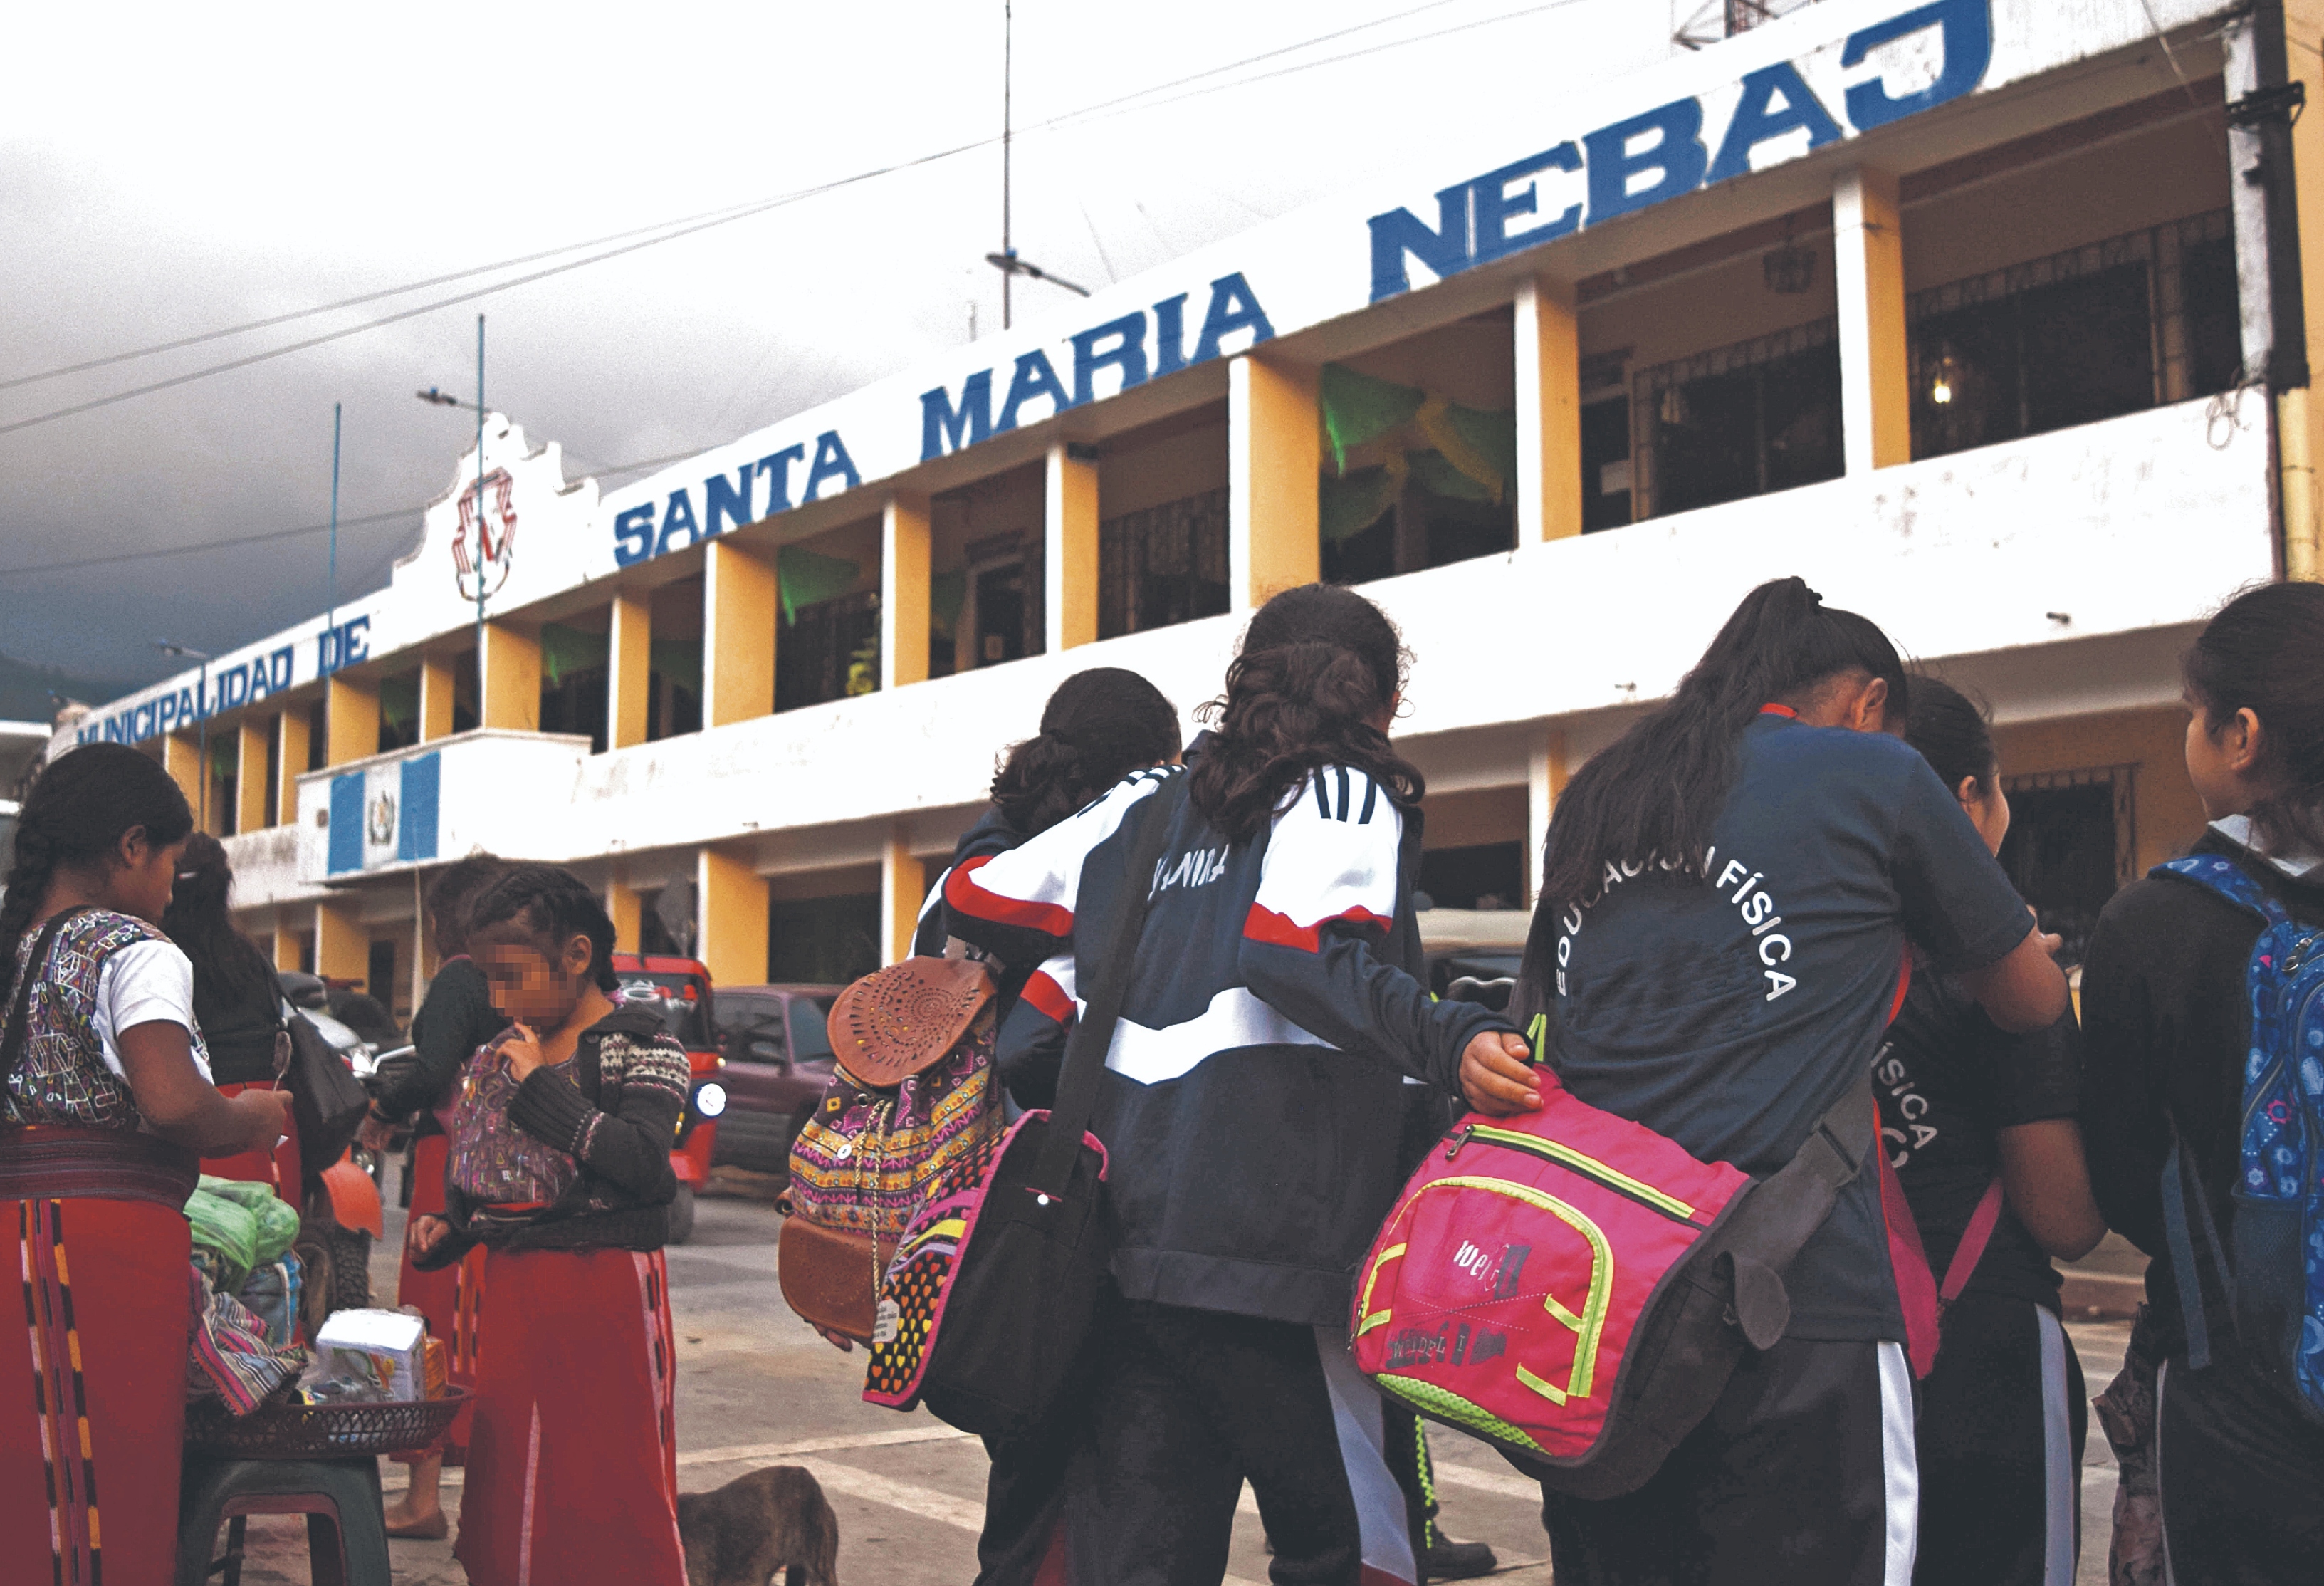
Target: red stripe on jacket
x,y
1278,930
963,893
1047,996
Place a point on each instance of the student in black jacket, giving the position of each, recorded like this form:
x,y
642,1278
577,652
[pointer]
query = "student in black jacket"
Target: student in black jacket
x,y
1256,1097
2169,1028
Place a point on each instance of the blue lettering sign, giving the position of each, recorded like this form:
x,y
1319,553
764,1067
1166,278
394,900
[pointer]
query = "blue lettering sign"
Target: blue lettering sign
x,y
1399,231
1968,49
678,515
1034,378
355,641
1127,355
634,535
1170,335
724,503
278,667
1676,157
945,428
777,466
1492,204
831,462
1758,118
1233,307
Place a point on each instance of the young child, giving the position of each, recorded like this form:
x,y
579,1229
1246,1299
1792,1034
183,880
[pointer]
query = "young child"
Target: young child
x,y
2169,1020
1963,1105
105,1102
559,1167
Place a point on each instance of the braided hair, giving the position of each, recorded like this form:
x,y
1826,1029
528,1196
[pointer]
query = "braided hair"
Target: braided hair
x,y
1098,727
1317,665
84,802
450,895
550,906
226,963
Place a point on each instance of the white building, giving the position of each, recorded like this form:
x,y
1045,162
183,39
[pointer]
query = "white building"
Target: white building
x,y
1943,305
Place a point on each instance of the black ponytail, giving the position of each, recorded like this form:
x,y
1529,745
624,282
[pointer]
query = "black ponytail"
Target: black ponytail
x,y
85,802
226,963
549,907
2264,653
1098,727
1651,798
1953,734
1317,665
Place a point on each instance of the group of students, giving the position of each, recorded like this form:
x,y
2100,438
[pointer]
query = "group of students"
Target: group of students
x,y
1780,884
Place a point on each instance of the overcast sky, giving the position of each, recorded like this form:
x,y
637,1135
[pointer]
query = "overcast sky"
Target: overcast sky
x,y
166,171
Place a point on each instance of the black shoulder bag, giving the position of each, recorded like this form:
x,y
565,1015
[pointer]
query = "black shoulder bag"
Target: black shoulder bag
x,y
328,1103
1000,1338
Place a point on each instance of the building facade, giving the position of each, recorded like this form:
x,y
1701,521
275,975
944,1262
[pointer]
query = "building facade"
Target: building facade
x,y
1986,316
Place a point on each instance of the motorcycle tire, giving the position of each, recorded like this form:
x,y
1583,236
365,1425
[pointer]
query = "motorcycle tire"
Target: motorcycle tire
x,y
350,1270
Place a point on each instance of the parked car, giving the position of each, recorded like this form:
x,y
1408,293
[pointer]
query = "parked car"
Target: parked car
x,y
678,989
778,1059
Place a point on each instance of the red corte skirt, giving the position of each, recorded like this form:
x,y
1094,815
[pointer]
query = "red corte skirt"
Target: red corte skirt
x,y
278,1168
92,1365
450,1297
573,1459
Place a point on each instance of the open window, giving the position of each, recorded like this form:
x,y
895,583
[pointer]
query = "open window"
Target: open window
x,y
2072,841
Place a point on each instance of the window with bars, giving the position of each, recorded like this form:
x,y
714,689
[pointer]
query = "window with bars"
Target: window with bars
x,y
2073,840
2107,328
831,650
1162,565
1738,422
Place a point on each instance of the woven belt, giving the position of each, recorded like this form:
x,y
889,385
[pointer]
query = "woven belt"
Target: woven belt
x,y
53,1162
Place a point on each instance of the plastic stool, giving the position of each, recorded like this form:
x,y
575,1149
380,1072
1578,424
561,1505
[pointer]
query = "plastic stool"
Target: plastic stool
x,y
346,1533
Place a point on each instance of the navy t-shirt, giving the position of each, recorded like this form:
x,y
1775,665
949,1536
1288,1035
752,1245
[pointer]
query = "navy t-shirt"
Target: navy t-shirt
x,y
1731,1017
1949,1080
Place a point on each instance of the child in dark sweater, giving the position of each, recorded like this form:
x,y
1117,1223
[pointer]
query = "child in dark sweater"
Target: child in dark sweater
x,y
559,1167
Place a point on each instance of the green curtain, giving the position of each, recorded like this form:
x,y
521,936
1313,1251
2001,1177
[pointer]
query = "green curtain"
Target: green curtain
x,y
806,577
1358,408
565,650
398,700
681,661
947,595
1351,506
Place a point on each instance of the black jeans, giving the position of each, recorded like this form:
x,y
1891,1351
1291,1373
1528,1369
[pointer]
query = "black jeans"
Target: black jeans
x,y
2242,1474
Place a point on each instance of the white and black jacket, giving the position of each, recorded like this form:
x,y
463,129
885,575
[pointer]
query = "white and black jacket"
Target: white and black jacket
x,y
1256,1109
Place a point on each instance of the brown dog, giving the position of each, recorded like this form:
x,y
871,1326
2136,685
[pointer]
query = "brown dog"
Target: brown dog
x,y
772,1519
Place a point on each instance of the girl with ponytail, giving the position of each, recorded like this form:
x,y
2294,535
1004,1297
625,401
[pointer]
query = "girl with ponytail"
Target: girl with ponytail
x,y
1726,893
1254,1106
2167,1008
105,1103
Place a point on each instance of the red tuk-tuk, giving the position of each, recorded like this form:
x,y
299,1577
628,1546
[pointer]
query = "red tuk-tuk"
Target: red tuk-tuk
x,y
678,989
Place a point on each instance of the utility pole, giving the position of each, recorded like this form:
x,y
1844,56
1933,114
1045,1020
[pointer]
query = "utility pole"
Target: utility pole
x,y
483,531
1008,73
331,593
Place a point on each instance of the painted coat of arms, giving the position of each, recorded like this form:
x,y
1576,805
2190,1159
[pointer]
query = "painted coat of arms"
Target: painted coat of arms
x,y
486,540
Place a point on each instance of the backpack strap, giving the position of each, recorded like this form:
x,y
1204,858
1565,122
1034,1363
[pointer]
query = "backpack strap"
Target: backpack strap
x,y
2215,872
1092,1039
2187,1212
1971,1249
11,1044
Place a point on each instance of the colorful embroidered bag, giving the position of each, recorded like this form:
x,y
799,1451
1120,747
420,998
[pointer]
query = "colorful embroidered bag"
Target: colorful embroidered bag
x,y
1576,1289
495,1160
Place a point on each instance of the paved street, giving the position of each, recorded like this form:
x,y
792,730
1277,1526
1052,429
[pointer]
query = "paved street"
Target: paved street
x,y
757,1388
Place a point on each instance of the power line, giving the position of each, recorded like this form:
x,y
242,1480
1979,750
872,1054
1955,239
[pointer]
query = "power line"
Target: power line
x,y
672,231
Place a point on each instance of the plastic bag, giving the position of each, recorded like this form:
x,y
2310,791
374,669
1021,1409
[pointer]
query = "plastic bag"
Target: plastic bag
x,y
277,1220
226,1230
272,1295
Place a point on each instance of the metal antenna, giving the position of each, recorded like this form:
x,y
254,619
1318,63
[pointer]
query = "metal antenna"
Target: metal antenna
x,y
484,532
1008,74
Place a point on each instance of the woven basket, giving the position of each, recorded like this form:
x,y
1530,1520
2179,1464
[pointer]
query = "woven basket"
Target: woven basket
x,y
289,1430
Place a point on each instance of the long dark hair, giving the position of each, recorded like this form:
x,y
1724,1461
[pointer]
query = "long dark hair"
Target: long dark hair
x,y
84,803
1953,734
1651,798
1098,727
1316,664
227,965
2264,653
449,896
551,907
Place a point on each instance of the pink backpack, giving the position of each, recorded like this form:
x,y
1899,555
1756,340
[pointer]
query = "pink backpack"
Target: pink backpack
x,y
1576,1289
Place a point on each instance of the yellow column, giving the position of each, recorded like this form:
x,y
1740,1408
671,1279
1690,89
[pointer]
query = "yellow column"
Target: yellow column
x,y
435,697
512,678
629,658
1875,378
1549,413
734,921
181,757
904,573
1069,568
252,738
903,887
622,908
738,636
342,944
1544,782
2299,419
286,942
1275,461
290,763
350,720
